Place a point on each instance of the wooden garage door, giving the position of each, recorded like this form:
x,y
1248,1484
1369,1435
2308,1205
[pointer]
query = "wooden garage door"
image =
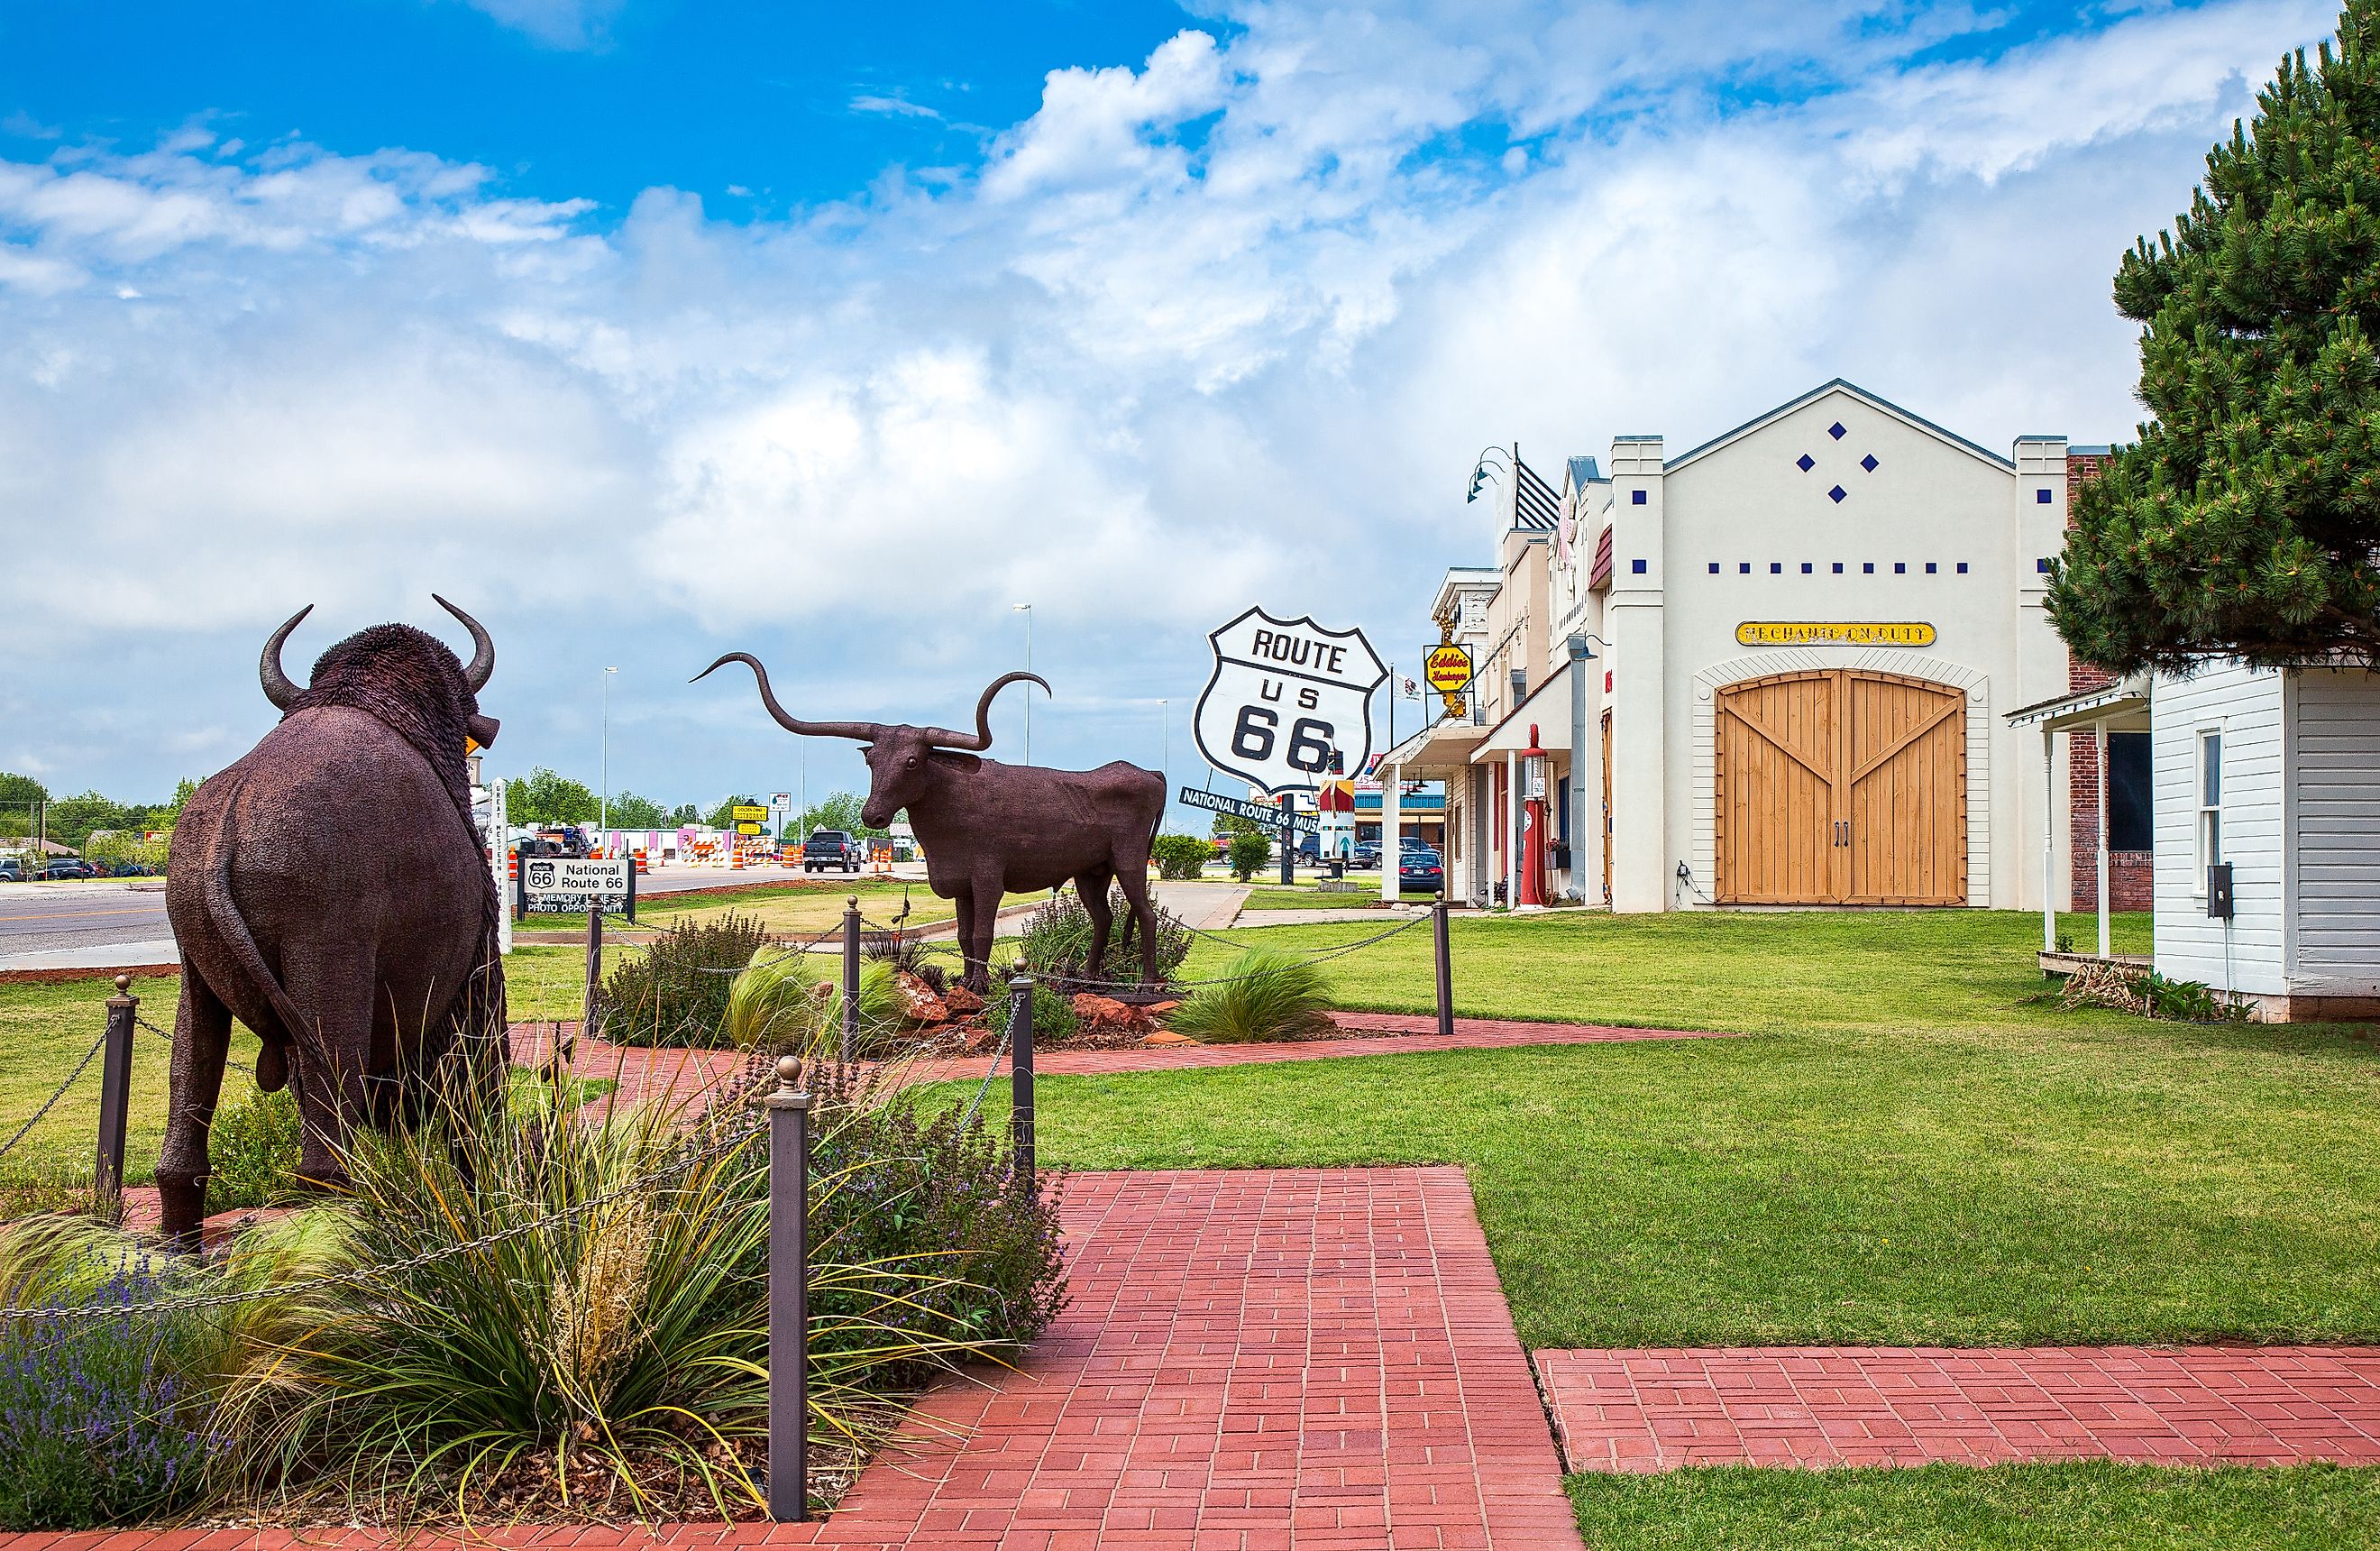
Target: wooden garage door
x,y
1842,787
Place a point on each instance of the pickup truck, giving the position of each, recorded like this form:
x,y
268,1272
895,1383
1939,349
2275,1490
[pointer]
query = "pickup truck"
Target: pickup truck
x,y
829,848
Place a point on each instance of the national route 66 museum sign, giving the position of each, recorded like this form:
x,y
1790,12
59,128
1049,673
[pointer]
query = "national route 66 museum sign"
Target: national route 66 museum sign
x,y
1285,695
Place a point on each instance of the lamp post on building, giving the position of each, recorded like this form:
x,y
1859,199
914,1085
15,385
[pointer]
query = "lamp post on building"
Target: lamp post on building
x,y
1026,610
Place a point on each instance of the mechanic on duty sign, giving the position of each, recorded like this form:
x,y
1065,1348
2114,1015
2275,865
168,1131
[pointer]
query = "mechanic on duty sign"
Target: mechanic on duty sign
x,y
1285,696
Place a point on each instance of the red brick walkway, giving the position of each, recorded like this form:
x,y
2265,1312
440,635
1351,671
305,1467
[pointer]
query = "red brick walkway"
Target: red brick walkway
x,y
686,1073
1249,1359
1649,1410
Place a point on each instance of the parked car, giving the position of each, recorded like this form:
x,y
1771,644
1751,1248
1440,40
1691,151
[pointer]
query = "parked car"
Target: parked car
x,y
1421,872
69,867
830,849
11,870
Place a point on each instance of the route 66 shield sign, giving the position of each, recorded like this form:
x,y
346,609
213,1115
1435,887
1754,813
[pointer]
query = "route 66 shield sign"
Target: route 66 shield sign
x,y
1285,696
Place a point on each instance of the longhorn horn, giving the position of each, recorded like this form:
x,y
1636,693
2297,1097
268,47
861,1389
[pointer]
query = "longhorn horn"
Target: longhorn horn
x,y
980,740
866,732
483,651
277,688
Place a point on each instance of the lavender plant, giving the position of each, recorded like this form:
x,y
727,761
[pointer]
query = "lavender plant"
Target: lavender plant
x,y
99,1422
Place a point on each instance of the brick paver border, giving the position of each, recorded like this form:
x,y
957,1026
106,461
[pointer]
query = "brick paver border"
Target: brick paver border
x,y
1659,1410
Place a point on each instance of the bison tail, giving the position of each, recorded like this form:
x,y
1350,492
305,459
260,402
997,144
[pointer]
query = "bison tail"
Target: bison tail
x,y
232,931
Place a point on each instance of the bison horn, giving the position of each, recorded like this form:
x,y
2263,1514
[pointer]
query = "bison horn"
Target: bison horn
x,y
277,688
866,732
483,651
980,738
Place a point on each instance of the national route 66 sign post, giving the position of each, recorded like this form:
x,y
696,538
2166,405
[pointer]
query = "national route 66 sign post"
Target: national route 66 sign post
x,y
1284,697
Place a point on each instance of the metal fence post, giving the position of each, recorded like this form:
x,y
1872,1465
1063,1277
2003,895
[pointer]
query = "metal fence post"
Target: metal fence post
x,y
1444,961
1020,1072
114,1091
594,1001
789,1295
850,976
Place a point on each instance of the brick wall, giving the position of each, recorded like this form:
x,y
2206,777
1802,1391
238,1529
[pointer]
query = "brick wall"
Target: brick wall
x,y
2127,871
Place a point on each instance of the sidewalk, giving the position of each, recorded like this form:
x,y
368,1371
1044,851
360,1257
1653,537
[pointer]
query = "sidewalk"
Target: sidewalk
x,y
1654,1410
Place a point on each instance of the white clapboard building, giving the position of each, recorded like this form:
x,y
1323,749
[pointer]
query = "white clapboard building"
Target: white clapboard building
x,y
2271,775
1770,669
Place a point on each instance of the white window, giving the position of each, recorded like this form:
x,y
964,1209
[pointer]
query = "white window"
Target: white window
x,y
2210,802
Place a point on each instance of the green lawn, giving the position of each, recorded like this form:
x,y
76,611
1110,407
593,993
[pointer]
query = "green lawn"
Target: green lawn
x,y
1304,898
2080,1507
1913,1148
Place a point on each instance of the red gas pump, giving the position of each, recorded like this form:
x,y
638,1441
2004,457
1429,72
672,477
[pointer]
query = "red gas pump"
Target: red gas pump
x,y
1532,859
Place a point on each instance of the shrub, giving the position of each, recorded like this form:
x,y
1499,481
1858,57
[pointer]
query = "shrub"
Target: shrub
x,y
1181,856
98,1423
1248,853
1054,1015
792,1003
1057,941
1267,994
675,992
253,1147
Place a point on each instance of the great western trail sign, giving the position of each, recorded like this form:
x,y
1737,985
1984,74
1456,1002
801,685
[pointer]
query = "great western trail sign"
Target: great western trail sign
x,y
1787,632
1284,697
1264,813
1448,668
573,885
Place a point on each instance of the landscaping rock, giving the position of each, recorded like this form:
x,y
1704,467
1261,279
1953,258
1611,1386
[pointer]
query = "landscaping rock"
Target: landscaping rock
x,y
1106,1015
918,1003
960,1002
1167,1036
979,1039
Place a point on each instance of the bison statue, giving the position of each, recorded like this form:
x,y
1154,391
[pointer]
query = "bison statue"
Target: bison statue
x,y
990,830
329,891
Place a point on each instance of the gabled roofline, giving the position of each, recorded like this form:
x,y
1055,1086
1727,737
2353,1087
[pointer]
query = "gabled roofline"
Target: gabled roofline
x,y
1846,385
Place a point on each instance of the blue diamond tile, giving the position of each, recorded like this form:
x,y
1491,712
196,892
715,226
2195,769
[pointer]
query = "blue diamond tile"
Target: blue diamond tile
x,y
1836,495
1836,430
1868,463
1805,463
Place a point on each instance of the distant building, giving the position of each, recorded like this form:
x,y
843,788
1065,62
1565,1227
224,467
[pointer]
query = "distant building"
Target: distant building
x,y
1800,640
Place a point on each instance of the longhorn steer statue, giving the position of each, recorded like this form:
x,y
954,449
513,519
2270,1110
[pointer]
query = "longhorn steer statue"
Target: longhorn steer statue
x,y
990,828
329,891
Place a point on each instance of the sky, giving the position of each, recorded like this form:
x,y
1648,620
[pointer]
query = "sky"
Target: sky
x,y
647,330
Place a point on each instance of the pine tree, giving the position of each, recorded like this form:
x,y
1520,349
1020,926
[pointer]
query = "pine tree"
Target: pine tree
x,y
2245,521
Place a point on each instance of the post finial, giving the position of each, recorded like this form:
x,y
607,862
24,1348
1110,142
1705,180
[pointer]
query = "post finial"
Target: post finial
x,y
123,986
789,1071
851,901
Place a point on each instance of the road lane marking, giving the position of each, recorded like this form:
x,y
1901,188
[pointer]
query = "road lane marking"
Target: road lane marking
x,y
73,915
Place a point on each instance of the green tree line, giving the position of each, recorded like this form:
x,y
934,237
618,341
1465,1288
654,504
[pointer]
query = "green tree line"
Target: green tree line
x,y
26,807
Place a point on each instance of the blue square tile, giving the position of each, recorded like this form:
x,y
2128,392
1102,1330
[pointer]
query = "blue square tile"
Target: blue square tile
x,y
1867,568
1836,495
1901,568
1775,569
1868,463
2041,497
1635,497
1713,568
1805,463
1836,430
1962,567
1931,567
2042,566
1744,568
1805,567
1839,568
1636,567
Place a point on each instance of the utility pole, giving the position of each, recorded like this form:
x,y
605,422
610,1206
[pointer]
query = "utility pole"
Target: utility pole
x,y
604,811
1026,610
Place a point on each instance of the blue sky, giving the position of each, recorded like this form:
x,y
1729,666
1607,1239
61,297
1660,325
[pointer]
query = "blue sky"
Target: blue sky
x,y
648,329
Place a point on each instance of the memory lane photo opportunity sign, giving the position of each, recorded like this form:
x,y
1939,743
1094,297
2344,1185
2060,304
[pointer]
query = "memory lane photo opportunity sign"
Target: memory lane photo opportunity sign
x,y
573,885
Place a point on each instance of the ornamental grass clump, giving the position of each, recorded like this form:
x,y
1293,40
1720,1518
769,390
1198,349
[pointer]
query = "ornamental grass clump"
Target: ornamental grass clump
x,y
790,1003
674,991
1266,995
1057,941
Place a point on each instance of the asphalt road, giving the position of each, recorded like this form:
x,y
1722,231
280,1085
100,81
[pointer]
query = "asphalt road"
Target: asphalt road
x,y
47,921
122,921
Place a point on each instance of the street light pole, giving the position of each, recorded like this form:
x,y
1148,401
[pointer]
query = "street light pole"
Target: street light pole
x,y
1026,610
1165,709
603,810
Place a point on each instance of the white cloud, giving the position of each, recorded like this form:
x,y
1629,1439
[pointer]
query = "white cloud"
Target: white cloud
x,y
1227,325
570,24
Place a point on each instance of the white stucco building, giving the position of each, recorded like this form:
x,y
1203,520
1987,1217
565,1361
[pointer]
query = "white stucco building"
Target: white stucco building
x,y
1804,636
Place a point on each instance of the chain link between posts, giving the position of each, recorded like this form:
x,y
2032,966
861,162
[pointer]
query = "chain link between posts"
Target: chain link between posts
x,y
80,1067
367,1275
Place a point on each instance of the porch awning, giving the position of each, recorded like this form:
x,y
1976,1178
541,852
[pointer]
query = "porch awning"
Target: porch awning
x,y
2126,699
1548,707
1440,752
